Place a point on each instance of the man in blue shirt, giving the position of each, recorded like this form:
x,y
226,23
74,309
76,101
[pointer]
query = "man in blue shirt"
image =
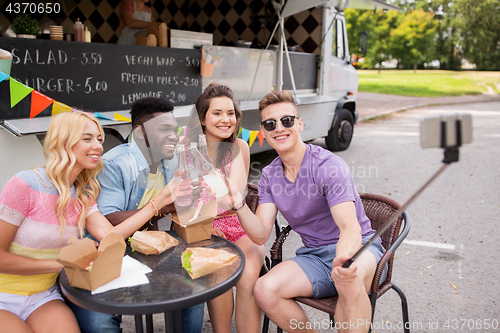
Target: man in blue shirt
x,y
133,173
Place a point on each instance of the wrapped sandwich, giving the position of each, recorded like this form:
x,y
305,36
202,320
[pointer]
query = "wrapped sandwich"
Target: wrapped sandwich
x,y
152,242
200,261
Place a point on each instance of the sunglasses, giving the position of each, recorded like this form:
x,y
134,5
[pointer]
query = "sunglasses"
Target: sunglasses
x,y
287,122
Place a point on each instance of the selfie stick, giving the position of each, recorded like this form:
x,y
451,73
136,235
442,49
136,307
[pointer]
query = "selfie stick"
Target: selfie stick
x,y
450,156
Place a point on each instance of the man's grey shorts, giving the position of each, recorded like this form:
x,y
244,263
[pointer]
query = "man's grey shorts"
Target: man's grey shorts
x,y
317,264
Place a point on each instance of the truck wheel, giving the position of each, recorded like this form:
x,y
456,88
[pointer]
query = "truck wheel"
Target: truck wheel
x,y
340,136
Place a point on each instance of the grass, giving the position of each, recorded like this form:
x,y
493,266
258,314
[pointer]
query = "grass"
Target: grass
x,y
427,83
494,87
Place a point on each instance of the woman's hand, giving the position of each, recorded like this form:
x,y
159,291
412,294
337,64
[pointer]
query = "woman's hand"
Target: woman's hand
x,y
217,232
164,197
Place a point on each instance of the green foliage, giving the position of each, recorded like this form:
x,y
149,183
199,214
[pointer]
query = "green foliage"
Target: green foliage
x,y
479,22
427,30
404,35
25,25
411,39
446,45
378,25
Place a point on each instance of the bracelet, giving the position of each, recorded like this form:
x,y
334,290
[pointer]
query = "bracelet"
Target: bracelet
x,y
241,206
153,203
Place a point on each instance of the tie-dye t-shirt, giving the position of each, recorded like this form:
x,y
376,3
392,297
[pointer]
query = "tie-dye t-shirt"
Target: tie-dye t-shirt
x,y
28,201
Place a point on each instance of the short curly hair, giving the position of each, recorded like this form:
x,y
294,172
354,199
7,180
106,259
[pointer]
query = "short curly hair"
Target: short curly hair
x,y
144,109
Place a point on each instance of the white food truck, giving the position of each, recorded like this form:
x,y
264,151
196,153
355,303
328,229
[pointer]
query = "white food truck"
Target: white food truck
x,y
324,85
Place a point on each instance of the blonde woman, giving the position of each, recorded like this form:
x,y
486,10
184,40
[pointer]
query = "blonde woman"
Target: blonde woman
x,y
39,210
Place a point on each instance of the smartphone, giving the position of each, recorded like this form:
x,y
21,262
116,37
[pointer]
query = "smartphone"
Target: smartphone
x,y
445,131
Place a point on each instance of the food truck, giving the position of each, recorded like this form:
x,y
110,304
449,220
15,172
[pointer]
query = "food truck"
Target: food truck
x,y
52,76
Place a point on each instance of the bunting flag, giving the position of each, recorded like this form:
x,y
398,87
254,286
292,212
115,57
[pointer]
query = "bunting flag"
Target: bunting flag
x,y
59,107
119,117
101,116
245,135
253,136
3,76
18,91
250,136
261,138
39,102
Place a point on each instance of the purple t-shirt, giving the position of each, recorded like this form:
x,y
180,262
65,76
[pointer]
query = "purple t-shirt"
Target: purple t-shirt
x,y
323,181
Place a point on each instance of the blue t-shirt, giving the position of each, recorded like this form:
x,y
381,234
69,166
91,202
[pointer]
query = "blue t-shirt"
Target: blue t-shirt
x,y
323,181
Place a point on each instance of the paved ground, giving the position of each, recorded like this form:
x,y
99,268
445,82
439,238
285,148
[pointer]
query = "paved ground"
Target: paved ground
x,y
425,273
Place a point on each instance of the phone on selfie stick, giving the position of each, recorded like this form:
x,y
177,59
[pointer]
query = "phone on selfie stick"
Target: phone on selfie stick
x,y
448,132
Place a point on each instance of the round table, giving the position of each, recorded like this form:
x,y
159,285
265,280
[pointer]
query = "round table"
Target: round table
x,y
170,288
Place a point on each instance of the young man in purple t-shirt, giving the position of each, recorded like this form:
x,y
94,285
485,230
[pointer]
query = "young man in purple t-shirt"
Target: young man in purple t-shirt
x,y
316,194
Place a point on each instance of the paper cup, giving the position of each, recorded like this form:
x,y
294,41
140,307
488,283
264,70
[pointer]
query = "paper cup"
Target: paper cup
x,y
206,69
5,61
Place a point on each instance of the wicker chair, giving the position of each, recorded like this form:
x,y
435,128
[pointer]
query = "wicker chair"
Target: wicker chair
x,y
378,209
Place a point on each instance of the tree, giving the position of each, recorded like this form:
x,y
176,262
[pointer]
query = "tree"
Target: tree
x,y
411,40
479,24
447,43
378,25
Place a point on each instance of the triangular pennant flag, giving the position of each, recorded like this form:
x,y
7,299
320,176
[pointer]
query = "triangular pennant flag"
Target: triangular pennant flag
x,y
253,135
261,138
184,129
39,102
245,135
101,116
18,91
240,130
179,131
59,107
3,76
120,117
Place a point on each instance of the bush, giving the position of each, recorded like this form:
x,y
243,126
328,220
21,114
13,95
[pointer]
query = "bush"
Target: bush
x,y
25,25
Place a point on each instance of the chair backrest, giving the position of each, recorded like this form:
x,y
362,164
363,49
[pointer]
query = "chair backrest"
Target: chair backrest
x,y
252,198
379,210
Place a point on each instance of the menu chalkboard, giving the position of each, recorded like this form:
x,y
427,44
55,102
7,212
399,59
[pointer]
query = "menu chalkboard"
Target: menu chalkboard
x,y
99,77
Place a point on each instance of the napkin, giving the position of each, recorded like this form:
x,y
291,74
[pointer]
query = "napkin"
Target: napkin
x,y
133,273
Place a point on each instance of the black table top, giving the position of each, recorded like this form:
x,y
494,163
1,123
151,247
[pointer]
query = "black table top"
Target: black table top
x,y
170,287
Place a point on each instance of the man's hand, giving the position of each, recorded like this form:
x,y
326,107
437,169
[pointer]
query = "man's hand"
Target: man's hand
x,y
343,276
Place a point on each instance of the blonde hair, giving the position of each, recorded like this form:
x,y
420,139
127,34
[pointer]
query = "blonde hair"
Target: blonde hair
x,y
65,130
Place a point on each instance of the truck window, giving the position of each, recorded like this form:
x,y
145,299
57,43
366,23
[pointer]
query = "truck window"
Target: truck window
x,y
338,48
